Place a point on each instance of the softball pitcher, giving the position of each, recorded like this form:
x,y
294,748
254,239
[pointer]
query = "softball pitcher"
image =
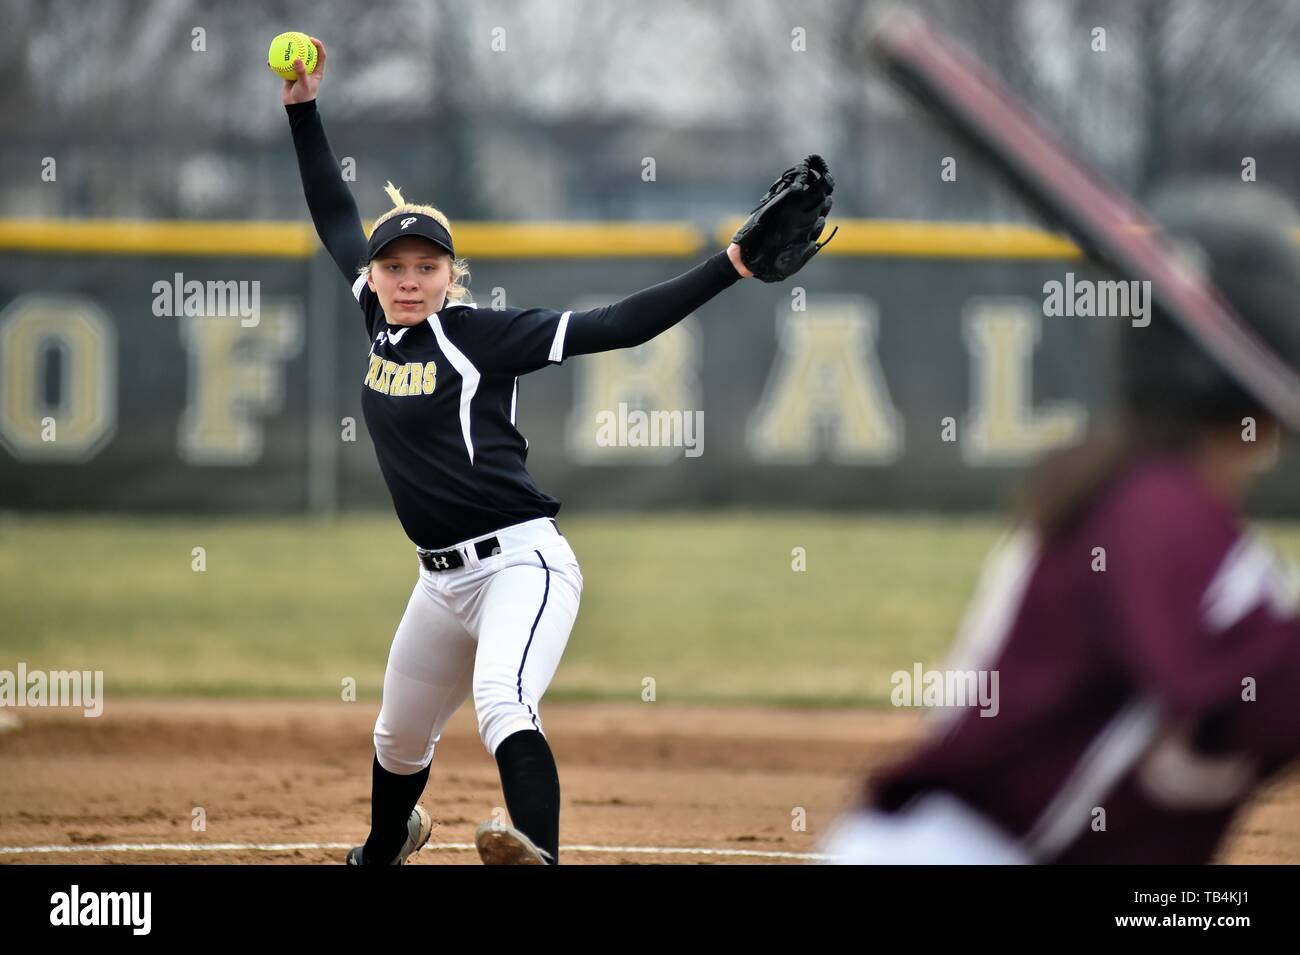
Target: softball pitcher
x,y
498,586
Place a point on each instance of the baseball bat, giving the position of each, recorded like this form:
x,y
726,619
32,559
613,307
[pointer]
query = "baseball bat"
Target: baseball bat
x,y
1108,225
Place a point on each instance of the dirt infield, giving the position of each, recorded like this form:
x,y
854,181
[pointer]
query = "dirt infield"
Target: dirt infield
x,y
635,777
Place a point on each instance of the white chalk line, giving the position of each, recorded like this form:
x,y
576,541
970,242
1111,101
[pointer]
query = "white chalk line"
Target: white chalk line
x,y
439,847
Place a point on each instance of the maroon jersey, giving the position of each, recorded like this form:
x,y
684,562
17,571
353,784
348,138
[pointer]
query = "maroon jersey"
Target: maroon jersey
x,y
1149,697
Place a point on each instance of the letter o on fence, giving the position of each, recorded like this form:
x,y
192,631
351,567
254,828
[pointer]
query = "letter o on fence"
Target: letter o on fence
x,y
84,405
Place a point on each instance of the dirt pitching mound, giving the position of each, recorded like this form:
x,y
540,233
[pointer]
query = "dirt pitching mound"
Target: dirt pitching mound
x,y
289,782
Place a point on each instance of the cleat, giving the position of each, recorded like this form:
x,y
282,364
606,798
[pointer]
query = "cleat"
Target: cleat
x,y
504,845
419,828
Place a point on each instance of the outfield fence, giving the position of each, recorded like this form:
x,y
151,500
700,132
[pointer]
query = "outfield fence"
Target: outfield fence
x,y
217,366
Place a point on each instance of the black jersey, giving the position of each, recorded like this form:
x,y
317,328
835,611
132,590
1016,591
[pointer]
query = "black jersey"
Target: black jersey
x,y
440,397
440,400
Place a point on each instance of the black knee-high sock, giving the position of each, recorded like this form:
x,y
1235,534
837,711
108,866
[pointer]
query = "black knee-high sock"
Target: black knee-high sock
x,y
392,797
531,785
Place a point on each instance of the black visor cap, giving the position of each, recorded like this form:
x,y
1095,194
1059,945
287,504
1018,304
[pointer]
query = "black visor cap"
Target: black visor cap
x,y
411,223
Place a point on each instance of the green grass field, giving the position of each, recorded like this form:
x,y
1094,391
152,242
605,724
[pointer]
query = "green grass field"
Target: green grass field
x,y
708,606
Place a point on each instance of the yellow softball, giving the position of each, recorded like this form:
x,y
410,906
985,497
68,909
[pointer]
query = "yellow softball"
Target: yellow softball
x,y
288,47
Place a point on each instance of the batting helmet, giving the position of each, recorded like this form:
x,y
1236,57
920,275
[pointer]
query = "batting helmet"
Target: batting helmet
x,y
1244,237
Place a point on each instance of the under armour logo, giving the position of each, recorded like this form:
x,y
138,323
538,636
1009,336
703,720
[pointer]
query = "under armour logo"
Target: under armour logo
x,y
441,563
408,220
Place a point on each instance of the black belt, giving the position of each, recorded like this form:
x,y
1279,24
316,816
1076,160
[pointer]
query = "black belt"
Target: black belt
x,y
436,561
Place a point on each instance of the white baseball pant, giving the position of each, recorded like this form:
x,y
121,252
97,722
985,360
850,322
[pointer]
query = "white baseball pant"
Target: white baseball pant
x,y
495,627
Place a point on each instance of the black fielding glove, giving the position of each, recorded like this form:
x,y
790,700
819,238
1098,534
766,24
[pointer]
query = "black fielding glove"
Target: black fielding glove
x,y
781,234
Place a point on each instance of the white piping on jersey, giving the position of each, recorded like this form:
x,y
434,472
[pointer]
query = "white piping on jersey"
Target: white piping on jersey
x,y
394,339
1249,576
1110,755
557,346
514,400
993,611
469,378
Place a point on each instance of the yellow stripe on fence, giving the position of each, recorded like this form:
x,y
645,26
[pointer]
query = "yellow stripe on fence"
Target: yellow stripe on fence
x,y
918,239
501,240
576,240
286,240
534,240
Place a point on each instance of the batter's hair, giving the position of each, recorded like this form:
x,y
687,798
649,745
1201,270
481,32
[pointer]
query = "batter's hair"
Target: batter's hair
x,y
458,290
